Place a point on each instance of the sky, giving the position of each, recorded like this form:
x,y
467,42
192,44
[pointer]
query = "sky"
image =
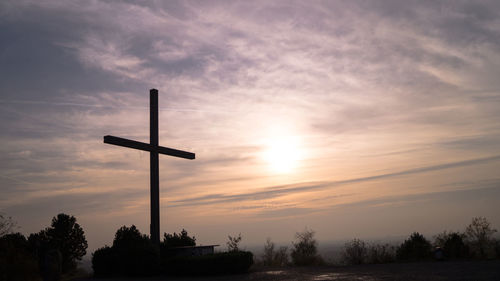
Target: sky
x,y
351,118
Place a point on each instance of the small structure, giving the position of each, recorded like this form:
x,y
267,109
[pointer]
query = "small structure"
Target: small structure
x,y
438,254
188,251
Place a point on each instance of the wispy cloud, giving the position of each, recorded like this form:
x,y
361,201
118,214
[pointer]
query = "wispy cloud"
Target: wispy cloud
x,y
270,193
376,92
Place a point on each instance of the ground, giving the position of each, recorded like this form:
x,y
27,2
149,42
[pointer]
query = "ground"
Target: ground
x,y
428,271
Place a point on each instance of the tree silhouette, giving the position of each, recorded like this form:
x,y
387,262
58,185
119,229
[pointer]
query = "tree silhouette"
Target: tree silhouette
x,y
69,239
414,248
479,234
65,236
355,252
233,243
305,250
6,225
17,262
273,257
178,240
132,253
452,244
128,237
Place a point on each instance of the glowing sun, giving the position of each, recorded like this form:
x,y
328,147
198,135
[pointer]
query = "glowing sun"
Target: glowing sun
x,y
282,154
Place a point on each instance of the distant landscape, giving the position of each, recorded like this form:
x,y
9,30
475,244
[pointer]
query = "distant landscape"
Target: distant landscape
x,y
59,251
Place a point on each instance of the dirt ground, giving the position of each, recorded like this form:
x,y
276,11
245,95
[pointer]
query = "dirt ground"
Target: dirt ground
x,y
462,270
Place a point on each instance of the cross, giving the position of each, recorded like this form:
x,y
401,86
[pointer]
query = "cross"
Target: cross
x,y
154,149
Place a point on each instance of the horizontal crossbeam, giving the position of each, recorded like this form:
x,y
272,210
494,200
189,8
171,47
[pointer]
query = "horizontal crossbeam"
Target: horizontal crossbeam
x,y
147,147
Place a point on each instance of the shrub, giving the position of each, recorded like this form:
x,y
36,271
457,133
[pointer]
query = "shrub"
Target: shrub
x,y
452,244
131,254
178,240
304,250
354,252
105,261
281,256
16,260
7,224
479,237
414,248
219,263
233,243
272,257
381,253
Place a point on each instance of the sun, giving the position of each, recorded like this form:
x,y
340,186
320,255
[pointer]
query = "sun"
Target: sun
x,y
282,154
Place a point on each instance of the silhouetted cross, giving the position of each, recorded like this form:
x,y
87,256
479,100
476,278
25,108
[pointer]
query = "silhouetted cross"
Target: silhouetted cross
x,y
154,149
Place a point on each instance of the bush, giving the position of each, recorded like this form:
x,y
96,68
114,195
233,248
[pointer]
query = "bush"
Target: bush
x,y
452,244
131,254
233,243
272,257
305,250
16,260
219,263
415,248
479,234
381,253
7,224
354,252
178,240
105,261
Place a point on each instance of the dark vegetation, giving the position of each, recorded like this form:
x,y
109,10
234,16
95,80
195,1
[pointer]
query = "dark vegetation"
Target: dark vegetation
x,y
53,253
475,243
49,254
218,263
305,249
178,240
133,254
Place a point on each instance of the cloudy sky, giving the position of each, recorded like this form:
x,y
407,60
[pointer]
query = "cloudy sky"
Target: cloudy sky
x,y
352,118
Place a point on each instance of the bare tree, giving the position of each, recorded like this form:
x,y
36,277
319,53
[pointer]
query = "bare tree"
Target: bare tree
x,y
355,252
233,243
305,249
272,257
268,255
7,225
479,234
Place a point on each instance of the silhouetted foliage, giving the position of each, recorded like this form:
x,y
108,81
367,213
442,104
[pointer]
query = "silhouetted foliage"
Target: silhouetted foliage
x,y
178,240
7,224
414,248
105,261
68,238
354,252
16,259
219,263
132,253
59,247
479,234
452,244
305,250
381,253
272,257
358,252
233,243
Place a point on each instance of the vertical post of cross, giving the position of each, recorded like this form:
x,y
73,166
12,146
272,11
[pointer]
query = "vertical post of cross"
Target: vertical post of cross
x,y
154,167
